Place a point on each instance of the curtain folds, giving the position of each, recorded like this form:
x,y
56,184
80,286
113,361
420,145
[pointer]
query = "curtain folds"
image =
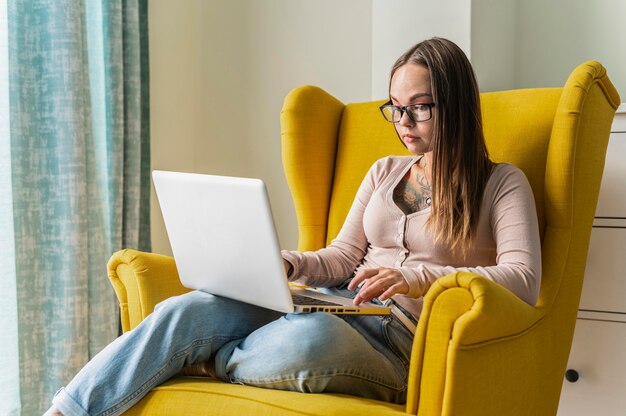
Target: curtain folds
x,y
74,183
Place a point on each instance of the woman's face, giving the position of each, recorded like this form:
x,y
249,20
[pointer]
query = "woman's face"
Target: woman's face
x,y
410,84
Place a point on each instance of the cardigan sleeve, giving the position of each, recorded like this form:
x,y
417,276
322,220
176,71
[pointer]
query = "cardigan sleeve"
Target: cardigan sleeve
x,y
332,265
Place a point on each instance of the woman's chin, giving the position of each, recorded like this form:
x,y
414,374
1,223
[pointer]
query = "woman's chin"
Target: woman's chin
x,y
416,148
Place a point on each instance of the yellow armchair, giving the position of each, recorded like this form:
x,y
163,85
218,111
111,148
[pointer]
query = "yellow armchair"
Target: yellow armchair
x,y
478,350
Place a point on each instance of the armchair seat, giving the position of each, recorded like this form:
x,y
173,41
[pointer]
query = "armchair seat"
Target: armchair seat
x,y
478,349
202,396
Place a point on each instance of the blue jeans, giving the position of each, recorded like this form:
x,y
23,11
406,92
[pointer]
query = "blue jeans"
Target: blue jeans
x,y
358,355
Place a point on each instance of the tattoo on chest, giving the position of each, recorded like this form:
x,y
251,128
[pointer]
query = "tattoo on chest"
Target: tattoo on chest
x,y
412,195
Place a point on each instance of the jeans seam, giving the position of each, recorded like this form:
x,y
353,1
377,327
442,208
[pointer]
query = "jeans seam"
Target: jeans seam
x,y
392,347
344,373
174,357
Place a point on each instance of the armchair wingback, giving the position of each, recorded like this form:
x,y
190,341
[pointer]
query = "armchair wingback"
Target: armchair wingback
x,y
478,350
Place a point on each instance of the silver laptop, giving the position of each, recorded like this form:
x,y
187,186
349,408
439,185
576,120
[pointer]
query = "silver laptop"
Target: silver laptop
x,y
224,242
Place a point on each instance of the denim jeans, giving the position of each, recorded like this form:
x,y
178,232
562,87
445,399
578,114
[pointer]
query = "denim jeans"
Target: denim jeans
x,y
359,355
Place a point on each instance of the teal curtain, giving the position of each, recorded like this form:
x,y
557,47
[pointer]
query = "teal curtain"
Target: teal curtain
x,y
74,183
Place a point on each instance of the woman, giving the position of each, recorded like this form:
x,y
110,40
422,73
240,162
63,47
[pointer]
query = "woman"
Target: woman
x,y
414,219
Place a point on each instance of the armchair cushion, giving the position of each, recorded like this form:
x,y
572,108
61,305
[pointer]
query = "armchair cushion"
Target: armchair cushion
x,y
201,396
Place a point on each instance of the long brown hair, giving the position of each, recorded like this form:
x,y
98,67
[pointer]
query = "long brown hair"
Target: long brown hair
x,y
460,161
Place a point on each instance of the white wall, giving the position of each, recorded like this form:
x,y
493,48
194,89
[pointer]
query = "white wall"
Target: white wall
x,y
537,43
555,36
494,43
399,24
220,71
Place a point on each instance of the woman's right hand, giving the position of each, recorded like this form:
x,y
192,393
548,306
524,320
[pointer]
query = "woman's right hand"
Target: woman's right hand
x,y
379,282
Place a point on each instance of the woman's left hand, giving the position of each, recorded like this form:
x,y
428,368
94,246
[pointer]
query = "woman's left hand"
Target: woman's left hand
x,y
382,283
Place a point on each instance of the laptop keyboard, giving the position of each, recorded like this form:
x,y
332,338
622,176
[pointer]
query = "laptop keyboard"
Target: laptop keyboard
x,y
305,300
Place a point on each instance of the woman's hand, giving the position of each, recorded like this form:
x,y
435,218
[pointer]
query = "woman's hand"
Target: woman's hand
x,y
382,283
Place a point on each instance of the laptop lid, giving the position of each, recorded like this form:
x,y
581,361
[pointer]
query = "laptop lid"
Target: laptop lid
x,y
223,238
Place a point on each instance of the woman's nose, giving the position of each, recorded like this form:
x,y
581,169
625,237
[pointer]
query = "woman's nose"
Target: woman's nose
x,y
405,120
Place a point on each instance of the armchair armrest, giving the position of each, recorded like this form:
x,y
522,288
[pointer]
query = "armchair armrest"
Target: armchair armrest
x,y
142,280
461,311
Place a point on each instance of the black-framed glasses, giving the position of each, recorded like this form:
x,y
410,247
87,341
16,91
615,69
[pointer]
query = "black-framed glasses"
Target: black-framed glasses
x,y
416,112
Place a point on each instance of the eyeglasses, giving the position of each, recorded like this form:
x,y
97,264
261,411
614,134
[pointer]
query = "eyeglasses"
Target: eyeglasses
x,y
416,112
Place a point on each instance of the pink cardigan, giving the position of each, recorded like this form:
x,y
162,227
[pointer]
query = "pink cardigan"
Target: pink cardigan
x,y
377,233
